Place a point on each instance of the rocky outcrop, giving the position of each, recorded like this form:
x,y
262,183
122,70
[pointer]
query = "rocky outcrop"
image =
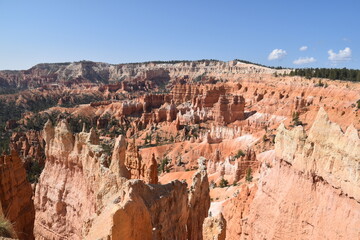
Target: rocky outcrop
x,y
150,101
214,228
200,95
192,116
16,196
301,214
214,109
133,76
323,164
74,183
137,168
117,164
236,211
152,173
226,111
222,132
141,211
166,112
29,145
81,196
133,162
234,168
199,202
325,152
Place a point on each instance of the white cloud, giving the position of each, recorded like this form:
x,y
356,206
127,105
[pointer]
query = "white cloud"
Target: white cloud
x,y
304,60
277,54
343,55
303,48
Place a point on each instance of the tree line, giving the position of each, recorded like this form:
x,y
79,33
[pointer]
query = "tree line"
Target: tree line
x,y
258,64
330,73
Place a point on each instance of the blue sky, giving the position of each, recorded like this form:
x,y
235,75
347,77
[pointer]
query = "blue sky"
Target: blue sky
x,y
130,31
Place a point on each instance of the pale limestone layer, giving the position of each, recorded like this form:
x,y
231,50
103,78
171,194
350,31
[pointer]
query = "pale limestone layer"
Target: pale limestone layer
x,y
326,151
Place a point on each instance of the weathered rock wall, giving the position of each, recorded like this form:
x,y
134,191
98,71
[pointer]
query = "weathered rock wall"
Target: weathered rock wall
x,y
326,151
214,228
29,145
199,202
73,183
94,72
229,110
83,193
141,211
312,186
292,205
236,211
16,196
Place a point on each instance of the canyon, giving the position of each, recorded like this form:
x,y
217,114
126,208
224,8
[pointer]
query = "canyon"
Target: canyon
x,y
178,150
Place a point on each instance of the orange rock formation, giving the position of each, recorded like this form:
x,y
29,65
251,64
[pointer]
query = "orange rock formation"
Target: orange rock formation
x,y
16,196
234,117
314,162
104,203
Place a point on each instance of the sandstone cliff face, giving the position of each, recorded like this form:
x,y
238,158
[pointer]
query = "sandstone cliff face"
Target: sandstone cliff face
x,y
236,212
214,228
142,211
118,157
226,112
234,106
199,202
297,207
133,162
29,146
325,151
234,169
80,195
74,182
323,164
16,196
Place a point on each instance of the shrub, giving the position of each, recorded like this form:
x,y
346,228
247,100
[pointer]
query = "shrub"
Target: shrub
x,y
248,176
264,138
240,153
34,171
358,104
199,77
295,119
223,183
157,139
5,143
107,149
163,164
6,228
148,139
